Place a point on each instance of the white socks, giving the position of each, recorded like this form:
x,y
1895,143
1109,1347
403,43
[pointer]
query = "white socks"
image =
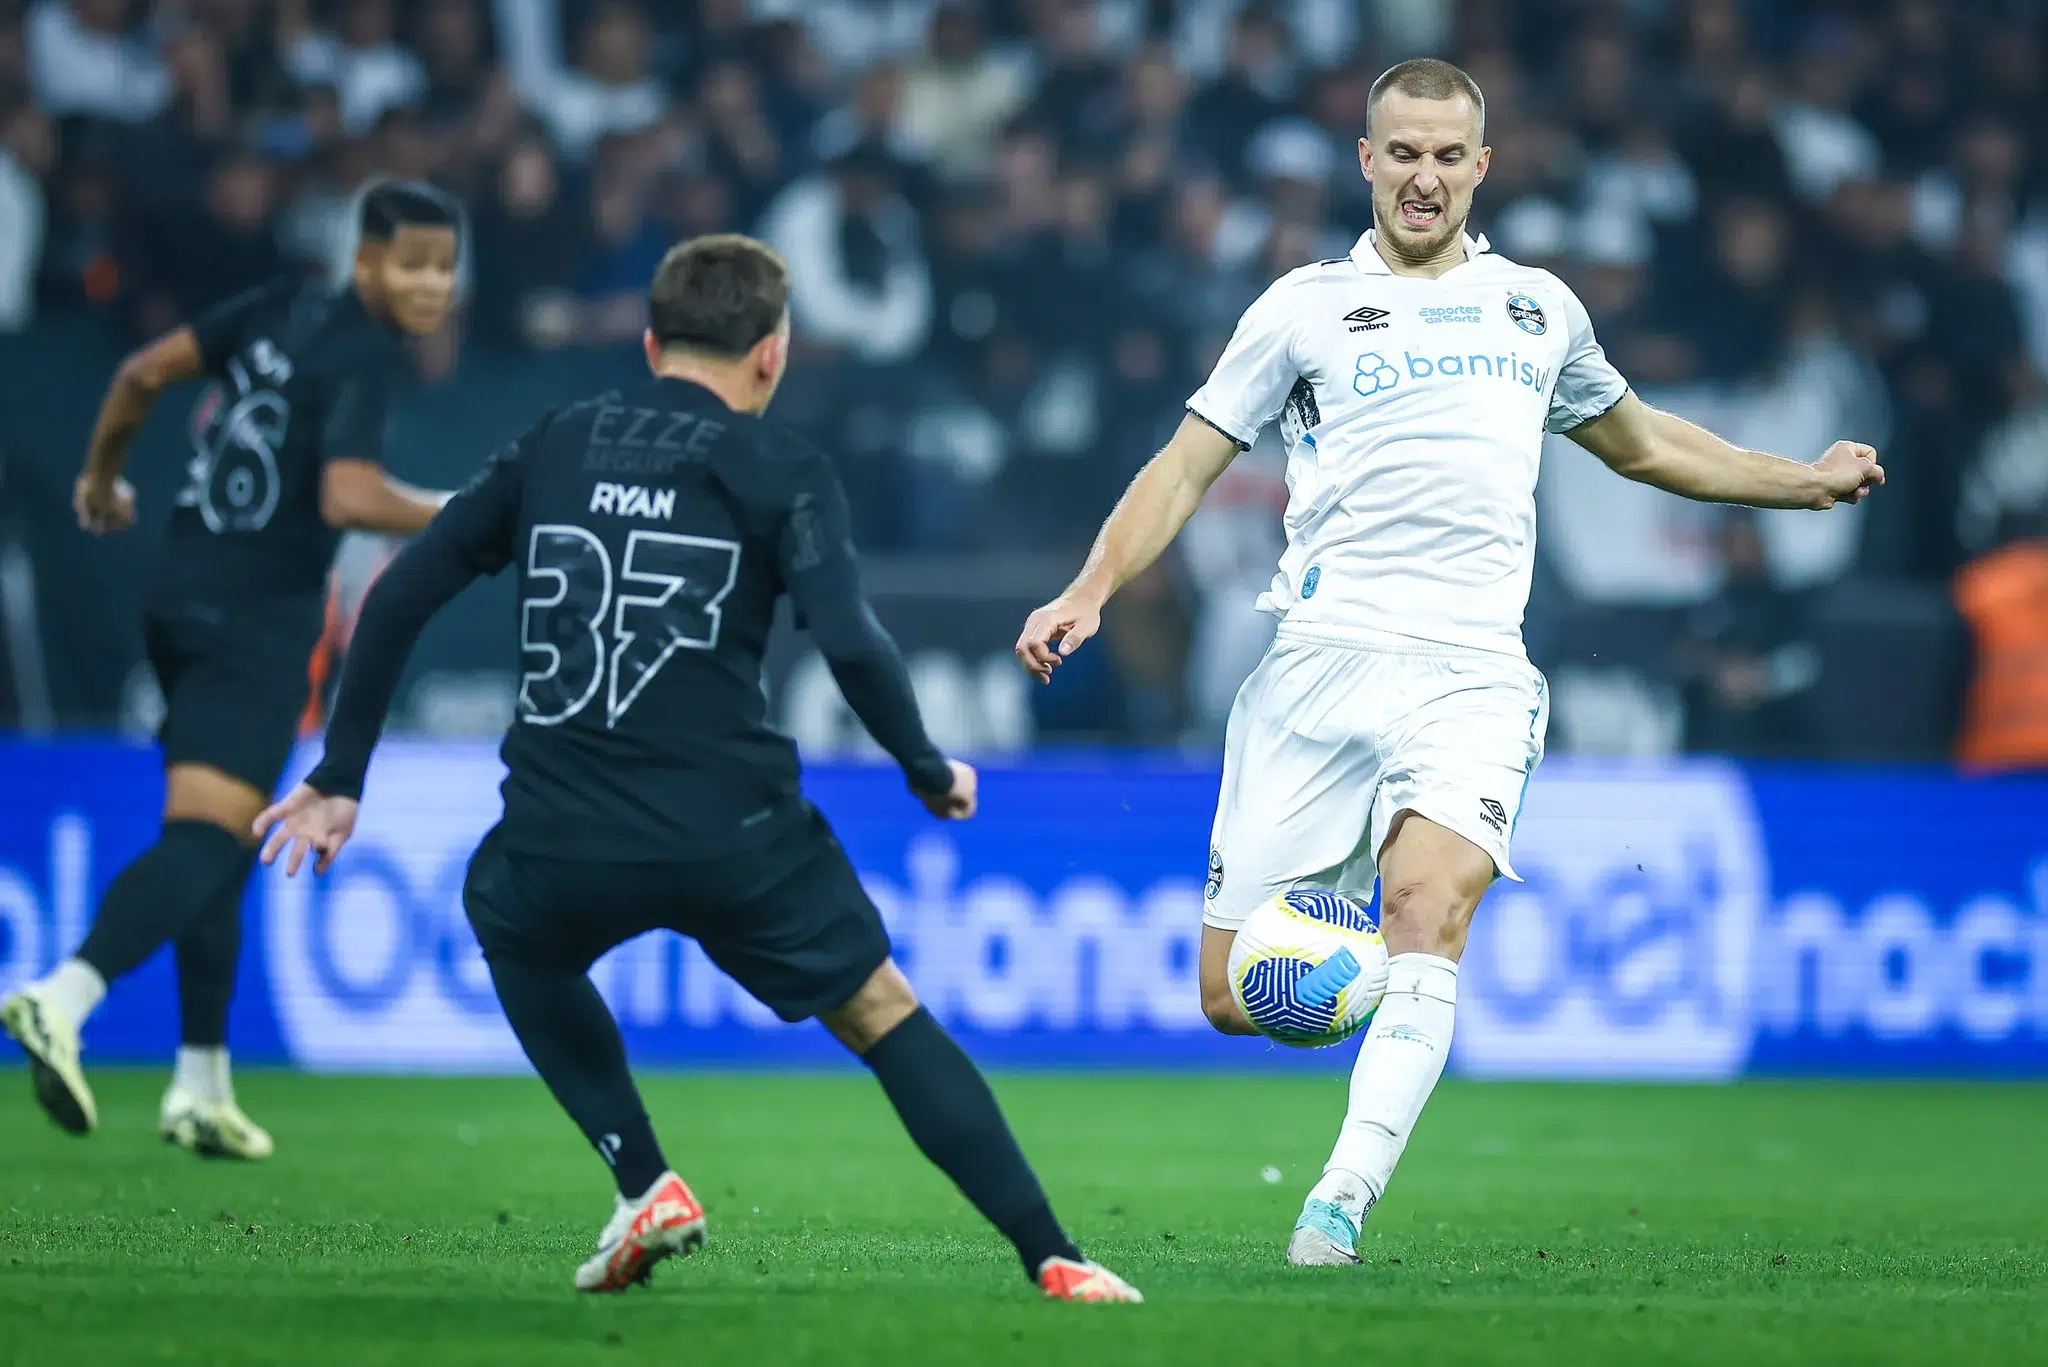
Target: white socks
x,y
75,988
204,1073
1398,1066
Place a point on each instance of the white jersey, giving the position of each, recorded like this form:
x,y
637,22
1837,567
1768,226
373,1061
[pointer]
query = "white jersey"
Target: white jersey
x,y
1413,412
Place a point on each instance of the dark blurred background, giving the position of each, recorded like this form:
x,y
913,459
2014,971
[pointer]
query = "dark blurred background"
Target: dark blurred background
x,y
1020,232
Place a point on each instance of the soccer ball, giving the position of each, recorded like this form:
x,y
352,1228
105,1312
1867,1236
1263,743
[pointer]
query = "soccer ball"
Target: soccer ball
x,y
1308,968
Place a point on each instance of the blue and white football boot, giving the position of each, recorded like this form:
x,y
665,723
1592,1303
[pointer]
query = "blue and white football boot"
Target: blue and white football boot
x,y
1324,1236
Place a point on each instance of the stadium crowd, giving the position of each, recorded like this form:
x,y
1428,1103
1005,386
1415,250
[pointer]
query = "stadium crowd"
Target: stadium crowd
x,y
1021,230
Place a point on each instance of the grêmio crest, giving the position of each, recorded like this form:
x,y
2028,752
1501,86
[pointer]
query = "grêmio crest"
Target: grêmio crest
x,y
1527,314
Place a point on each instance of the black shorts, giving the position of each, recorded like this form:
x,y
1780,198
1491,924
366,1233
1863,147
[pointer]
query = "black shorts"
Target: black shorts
x,y
234,681
789,921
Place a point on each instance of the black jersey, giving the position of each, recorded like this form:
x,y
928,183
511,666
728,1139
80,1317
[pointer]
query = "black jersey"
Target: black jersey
x,y
653,532
300,377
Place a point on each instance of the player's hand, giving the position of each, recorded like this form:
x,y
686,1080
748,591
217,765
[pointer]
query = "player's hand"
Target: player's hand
x,y
103,505
306,819
958,802
1056,631
1848,472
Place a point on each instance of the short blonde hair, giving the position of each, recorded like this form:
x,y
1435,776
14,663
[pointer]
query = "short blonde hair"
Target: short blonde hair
x,y
1427,78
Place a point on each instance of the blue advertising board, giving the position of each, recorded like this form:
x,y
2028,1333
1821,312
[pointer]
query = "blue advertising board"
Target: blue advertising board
x,y
1689,920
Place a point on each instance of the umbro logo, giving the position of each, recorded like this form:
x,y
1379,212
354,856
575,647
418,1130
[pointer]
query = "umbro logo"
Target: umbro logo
x,y
1367,319
1493,814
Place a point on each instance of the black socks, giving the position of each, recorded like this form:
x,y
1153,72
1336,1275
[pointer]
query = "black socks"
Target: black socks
x,y
952,1115
945,1104
206,954
570,1036
193,875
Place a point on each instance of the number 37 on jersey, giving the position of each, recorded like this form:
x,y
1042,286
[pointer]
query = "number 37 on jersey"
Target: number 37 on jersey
x,y
588,625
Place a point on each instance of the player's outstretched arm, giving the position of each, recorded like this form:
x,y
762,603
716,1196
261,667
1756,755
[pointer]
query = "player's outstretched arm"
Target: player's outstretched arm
x,y
1143,524
474,539
360,496
416,584
103,500
871,675
1661,449
822,575
355,492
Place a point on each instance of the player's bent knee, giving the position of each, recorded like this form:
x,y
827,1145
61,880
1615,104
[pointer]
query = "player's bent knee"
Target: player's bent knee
x,y
200,792
883,1002
1212,972
1223,1012
1427,916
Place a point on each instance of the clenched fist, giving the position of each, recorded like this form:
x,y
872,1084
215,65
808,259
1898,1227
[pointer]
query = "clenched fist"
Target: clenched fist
x,y
1848,472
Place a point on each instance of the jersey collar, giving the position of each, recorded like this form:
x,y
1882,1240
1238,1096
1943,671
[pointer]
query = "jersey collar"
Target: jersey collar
x,y
1367,258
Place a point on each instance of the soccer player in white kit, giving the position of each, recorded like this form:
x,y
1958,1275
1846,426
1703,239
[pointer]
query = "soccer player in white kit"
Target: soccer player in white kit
x,y
1391,730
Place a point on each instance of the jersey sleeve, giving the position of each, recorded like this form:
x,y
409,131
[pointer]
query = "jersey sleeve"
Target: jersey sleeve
x,y
481,519
1249,385
1587,383
815,543
472,536
358,406
222,329
818,567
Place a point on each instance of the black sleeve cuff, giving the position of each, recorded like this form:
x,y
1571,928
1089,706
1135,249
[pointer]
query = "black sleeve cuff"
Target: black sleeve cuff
x,y
334,780
930,776
1219,428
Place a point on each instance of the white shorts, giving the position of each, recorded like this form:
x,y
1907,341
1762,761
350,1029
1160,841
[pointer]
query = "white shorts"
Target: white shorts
x,y
1328,744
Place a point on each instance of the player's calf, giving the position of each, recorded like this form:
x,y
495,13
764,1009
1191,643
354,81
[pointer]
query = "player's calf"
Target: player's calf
x,y
952,1116
1431,882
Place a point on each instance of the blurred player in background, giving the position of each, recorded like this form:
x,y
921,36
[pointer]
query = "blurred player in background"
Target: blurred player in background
x,y
654,531
287,443
1391,730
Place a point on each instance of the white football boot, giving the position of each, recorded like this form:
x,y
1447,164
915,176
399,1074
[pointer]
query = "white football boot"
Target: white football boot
x,y
211,1129
50,1039
665,1222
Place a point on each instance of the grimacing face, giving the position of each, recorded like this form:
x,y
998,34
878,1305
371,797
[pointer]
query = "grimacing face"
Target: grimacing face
x,y
1424,160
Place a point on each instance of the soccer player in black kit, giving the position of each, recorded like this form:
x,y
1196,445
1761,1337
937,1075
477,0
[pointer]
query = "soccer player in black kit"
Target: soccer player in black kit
x,y
653,532
286,445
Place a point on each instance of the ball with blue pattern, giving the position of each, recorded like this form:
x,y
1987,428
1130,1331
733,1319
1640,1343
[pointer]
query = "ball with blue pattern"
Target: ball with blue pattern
x,y
1308,968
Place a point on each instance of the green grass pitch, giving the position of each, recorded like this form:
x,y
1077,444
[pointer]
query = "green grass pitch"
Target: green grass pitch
x,y
437,1221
